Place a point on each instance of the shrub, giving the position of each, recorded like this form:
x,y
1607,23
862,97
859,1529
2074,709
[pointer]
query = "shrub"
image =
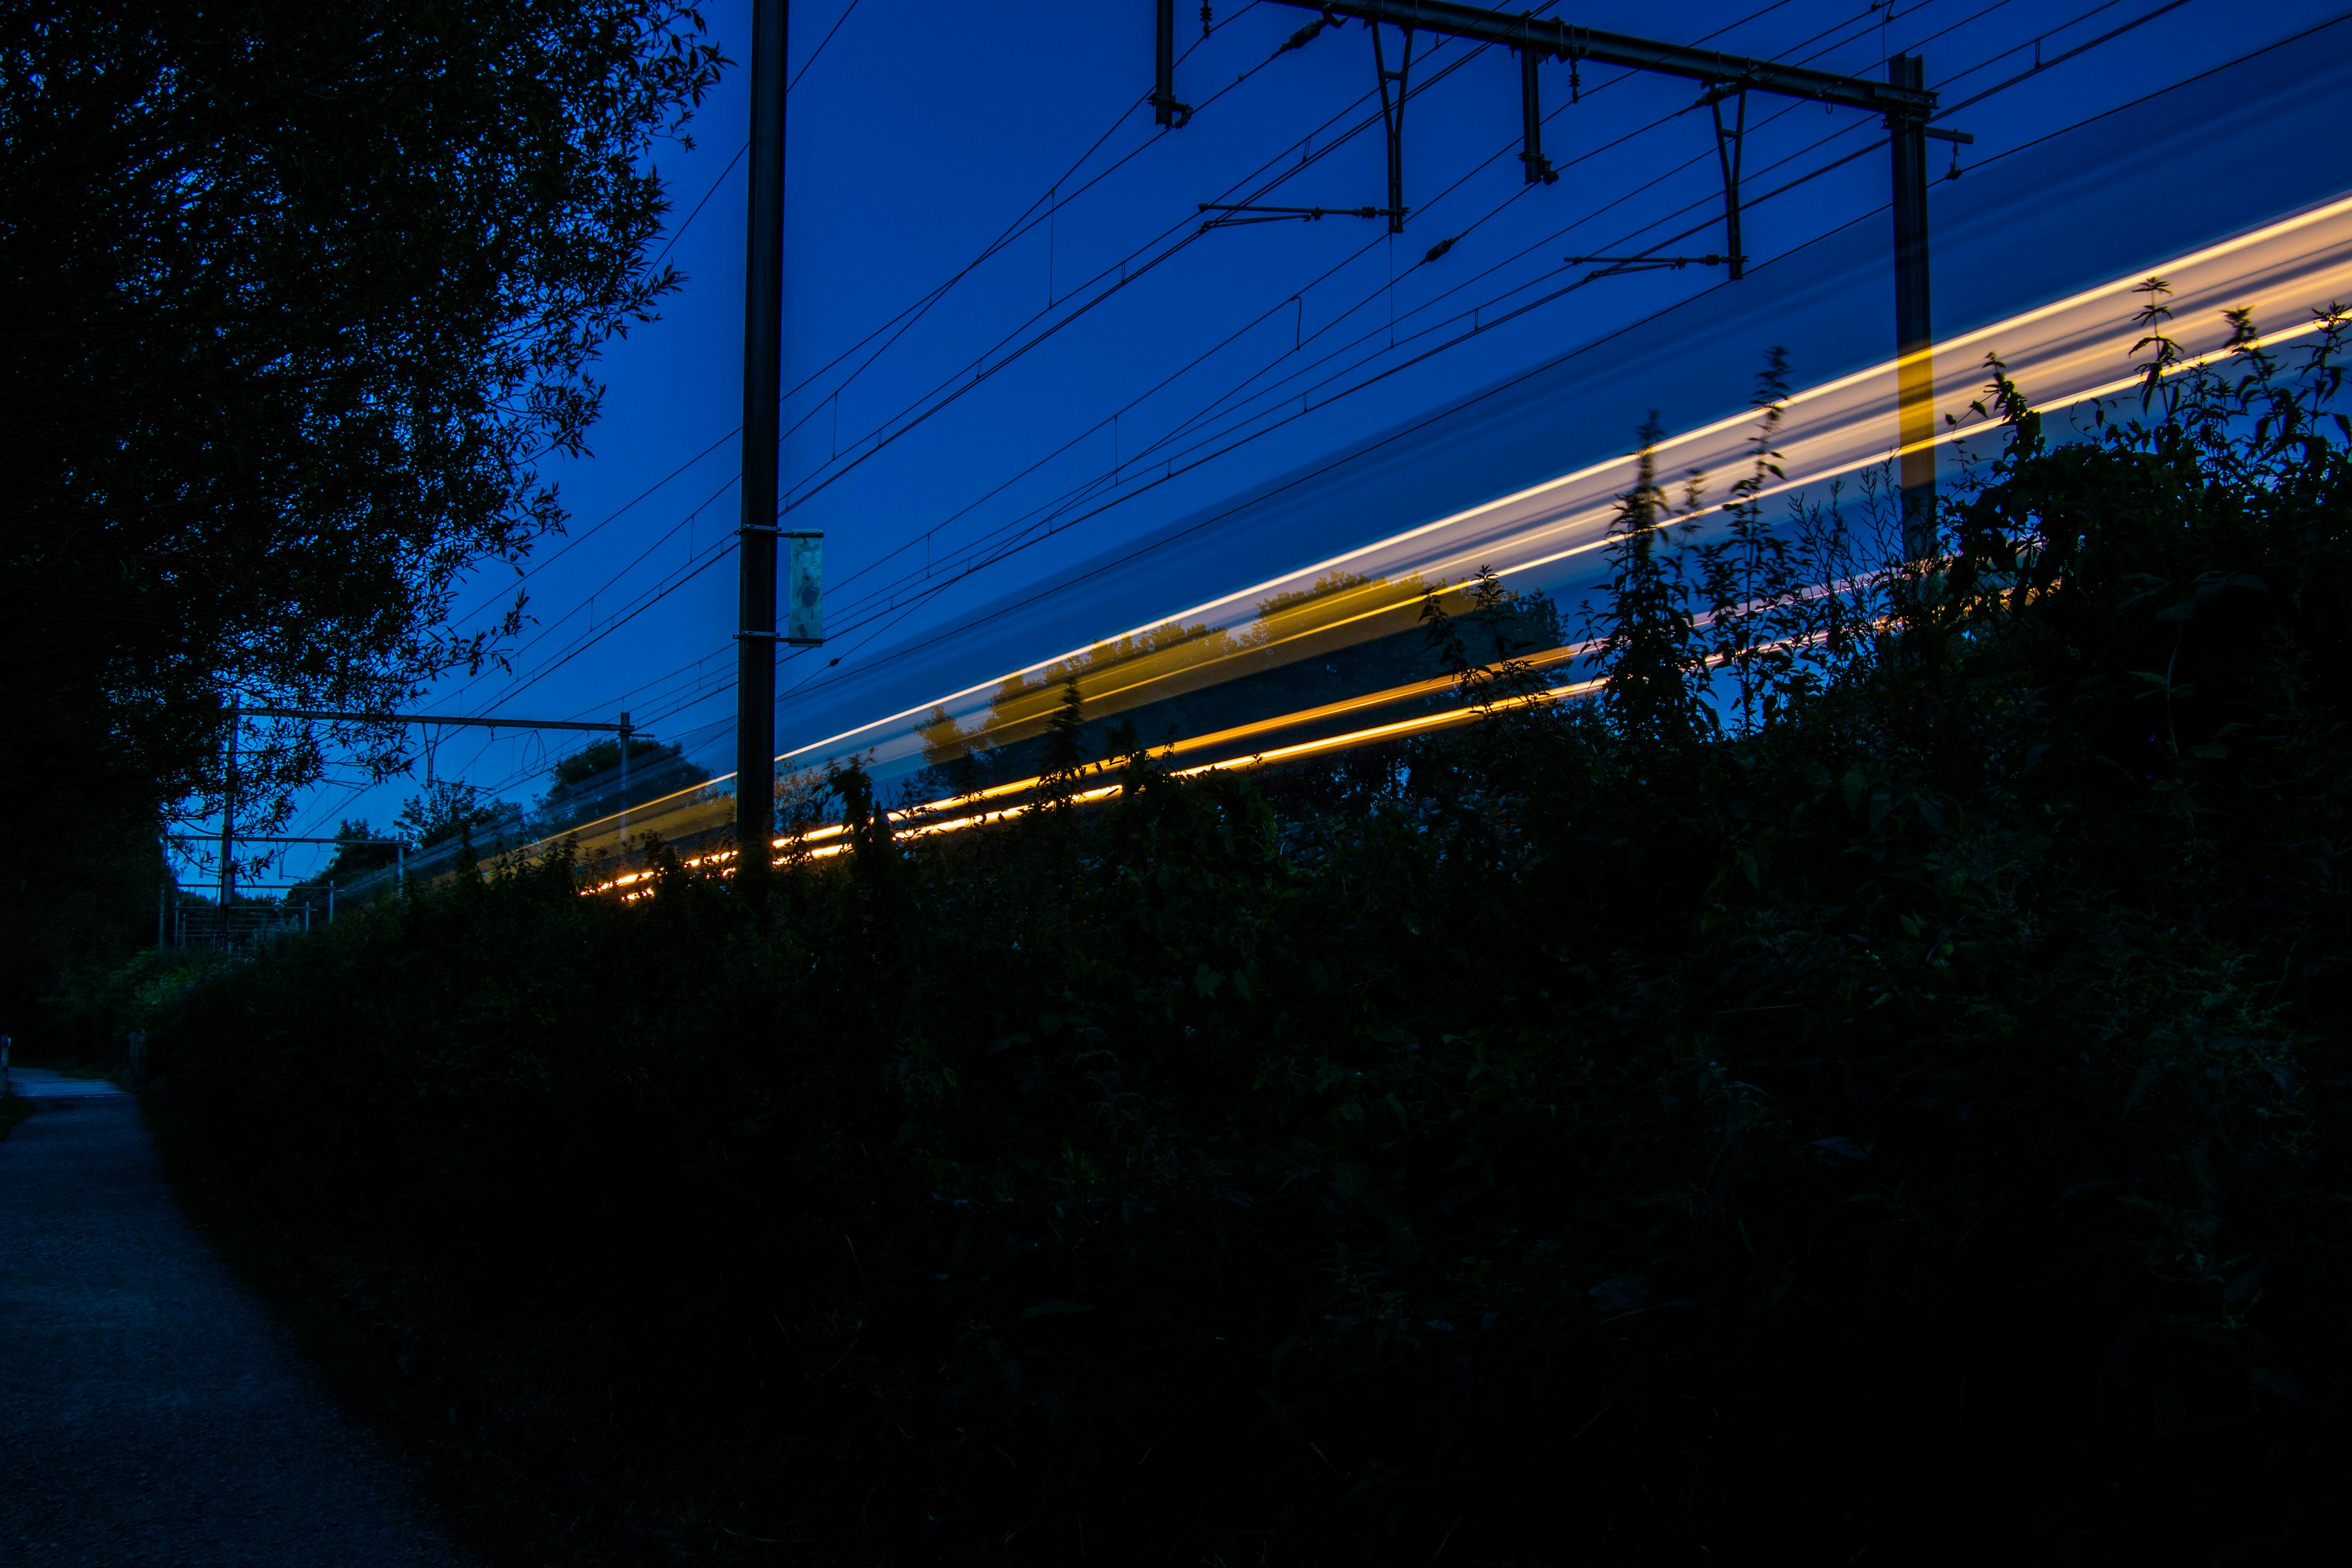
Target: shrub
x,y
1916,1117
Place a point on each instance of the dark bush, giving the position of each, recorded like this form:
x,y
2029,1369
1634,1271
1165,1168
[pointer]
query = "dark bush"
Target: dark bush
x,y
1911,1122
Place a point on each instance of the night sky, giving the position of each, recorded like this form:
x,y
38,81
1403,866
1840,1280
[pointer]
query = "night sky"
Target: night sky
x,y
923,133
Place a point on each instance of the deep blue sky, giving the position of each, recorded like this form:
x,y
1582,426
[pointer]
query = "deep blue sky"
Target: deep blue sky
x,y
925,130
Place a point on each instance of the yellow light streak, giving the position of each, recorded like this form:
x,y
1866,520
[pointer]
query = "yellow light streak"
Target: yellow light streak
x,y
2064,353
914,826
2004,334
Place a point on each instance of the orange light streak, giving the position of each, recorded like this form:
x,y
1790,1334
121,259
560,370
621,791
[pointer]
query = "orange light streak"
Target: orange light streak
x,y
2067,350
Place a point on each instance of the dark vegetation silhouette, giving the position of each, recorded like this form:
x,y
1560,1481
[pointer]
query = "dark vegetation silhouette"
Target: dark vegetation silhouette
x,y
303,295
585,784
447,809
1905,1114
359,850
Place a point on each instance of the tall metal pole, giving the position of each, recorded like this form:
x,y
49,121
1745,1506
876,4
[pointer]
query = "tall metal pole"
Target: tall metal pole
x,y
1538,168
1914,337
228,824
1730,147
763,301
1392,120
1163,91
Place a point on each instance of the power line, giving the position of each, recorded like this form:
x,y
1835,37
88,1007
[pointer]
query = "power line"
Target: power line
x,y
952,389
1052,508
1280,305
1996,158
820,679
1330,145
2143,98
1020,225
908,315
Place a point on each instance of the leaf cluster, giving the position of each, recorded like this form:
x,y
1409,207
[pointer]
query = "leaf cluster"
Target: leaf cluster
x,y
304,296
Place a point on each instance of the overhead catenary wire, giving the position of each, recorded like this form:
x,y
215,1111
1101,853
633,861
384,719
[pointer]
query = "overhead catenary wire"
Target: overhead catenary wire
x,y
1330,146
676,232
1149,453
820,679
603,631
705,695
1028,218
697,568
1138,264
1011,233
2143,98
1375,294
507,692
908,315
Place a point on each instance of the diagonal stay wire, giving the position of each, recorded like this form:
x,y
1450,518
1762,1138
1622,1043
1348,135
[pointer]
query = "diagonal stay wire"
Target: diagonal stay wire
x,y
1349,392
1145,455
953,389
1020,225
1563,108
688,221
820,678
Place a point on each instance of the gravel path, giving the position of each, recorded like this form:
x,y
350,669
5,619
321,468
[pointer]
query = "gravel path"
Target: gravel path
x,y
151,1410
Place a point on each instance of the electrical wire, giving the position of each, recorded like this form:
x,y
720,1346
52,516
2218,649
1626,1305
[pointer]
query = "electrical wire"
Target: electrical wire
x,y
1375,294
953,389
908,315
1428,82
513,690
1370,245
1147,456
2046,65
819,680
655,597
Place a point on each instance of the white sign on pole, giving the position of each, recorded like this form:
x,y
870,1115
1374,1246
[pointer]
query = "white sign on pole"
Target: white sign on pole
x,y
804,589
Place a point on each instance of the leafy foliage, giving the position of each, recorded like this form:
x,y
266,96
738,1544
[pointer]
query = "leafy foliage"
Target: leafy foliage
x,y
447,809
1648,645
359,849
1913,1122
304,293
586,784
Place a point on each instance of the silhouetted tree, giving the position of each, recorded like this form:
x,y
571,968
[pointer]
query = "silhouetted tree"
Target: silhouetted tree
x,y
300,294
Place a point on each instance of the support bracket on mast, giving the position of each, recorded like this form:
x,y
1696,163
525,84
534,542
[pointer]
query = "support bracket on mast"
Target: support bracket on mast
x,y
1613,266
1259,215
1731,142
1393,119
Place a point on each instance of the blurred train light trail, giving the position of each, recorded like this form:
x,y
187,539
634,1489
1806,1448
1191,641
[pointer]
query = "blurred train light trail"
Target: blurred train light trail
x,y
2064,354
